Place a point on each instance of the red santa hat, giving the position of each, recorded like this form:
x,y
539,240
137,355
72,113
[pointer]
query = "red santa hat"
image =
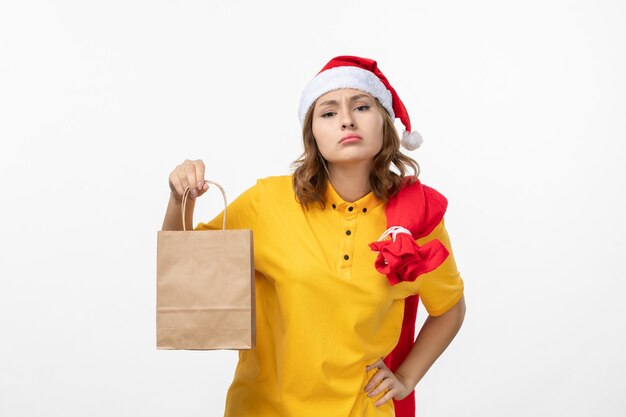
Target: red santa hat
x,y
362,74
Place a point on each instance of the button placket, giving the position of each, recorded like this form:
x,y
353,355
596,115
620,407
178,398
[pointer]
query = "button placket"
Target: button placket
x,y
346,250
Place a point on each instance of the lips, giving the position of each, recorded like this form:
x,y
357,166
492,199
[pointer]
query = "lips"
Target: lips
x,y
350,138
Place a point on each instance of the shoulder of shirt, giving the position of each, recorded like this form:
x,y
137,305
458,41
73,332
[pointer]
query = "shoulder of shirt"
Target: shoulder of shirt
x,y
276,185
274,181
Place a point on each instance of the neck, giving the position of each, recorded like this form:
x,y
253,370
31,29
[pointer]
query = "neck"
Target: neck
x,y
351,182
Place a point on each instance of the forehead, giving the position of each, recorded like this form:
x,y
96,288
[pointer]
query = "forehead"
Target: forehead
x,y
341,94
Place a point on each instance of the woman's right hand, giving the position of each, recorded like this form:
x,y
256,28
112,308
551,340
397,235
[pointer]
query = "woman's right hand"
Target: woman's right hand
x,y
188,174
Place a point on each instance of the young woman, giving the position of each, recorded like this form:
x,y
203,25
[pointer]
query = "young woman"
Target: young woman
x,y
335,304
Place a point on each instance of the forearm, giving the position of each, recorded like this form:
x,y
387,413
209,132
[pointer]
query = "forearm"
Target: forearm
x,y
173,216
434,337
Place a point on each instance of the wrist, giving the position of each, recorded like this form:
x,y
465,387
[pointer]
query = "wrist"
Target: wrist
x,y
409,382
178,200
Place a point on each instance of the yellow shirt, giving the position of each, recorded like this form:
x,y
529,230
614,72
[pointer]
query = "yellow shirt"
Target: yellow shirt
x,y
323,312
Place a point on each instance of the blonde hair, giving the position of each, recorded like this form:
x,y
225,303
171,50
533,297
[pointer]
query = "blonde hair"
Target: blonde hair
x,y
310,174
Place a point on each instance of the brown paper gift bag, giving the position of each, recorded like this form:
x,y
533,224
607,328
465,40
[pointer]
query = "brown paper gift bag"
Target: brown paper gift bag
x,y
205,287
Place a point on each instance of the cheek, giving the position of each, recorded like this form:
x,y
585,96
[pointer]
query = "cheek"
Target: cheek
x,y
321,135
379,128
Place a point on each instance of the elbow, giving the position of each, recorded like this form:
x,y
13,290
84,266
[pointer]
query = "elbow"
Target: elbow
x,y
455,316
461,310
457,312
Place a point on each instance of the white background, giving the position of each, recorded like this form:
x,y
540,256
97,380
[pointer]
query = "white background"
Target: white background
x,y
521,106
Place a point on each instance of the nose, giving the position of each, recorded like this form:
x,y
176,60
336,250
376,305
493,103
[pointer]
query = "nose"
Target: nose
x,y
347,117
347,121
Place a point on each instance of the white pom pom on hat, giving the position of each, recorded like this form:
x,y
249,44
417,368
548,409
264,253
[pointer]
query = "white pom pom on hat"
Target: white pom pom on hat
x,y
348,71
411,141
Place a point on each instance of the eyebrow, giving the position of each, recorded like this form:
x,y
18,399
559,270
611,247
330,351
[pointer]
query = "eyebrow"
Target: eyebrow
x,y
353,98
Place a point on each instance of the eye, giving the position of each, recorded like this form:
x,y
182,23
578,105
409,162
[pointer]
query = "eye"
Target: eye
x,y
328,114
363,108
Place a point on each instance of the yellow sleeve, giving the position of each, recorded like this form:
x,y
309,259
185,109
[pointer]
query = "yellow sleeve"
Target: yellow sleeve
x,y
441,288
241,213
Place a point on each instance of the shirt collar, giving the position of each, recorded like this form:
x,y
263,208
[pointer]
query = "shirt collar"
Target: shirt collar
x,y
363,205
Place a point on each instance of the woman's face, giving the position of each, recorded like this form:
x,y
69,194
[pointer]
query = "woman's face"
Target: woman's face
x,y
347,126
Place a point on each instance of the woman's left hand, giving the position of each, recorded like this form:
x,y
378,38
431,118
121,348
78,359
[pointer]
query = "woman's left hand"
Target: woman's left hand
x,y
395,384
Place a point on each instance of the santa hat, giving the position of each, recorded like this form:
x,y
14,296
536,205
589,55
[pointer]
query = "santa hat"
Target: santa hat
x,y
361,74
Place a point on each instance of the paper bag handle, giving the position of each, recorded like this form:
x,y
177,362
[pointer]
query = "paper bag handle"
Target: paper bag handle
x,y
186,194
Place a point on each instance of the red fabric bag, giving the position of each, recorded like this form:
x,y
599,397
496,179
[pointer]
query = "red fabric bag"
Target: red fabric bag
x,y
412,213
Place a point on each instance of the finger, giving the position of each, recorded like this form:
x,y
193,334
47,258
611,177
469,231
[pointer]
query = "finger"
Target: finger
x,y
182,179
378,377
383,386
388,396
205,187
175,180
190,180
377,364
182,176
199,166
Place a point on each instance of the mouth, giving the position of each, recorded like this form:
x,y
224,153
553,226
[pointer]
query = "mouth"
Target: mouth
x,y
350,138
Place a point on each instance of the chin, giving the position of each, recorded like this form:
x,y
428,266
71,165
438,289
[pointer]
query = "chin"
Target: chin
x,y
351,160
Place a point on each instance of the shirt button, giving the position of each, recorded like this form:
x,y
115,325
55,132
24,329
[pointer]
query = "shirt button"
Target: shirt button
x,y
346,257
350,208
348,232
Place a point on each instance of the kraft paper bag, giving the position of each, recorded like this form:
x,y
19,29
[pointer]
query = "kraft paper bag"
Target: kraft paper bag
x,y
205,288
